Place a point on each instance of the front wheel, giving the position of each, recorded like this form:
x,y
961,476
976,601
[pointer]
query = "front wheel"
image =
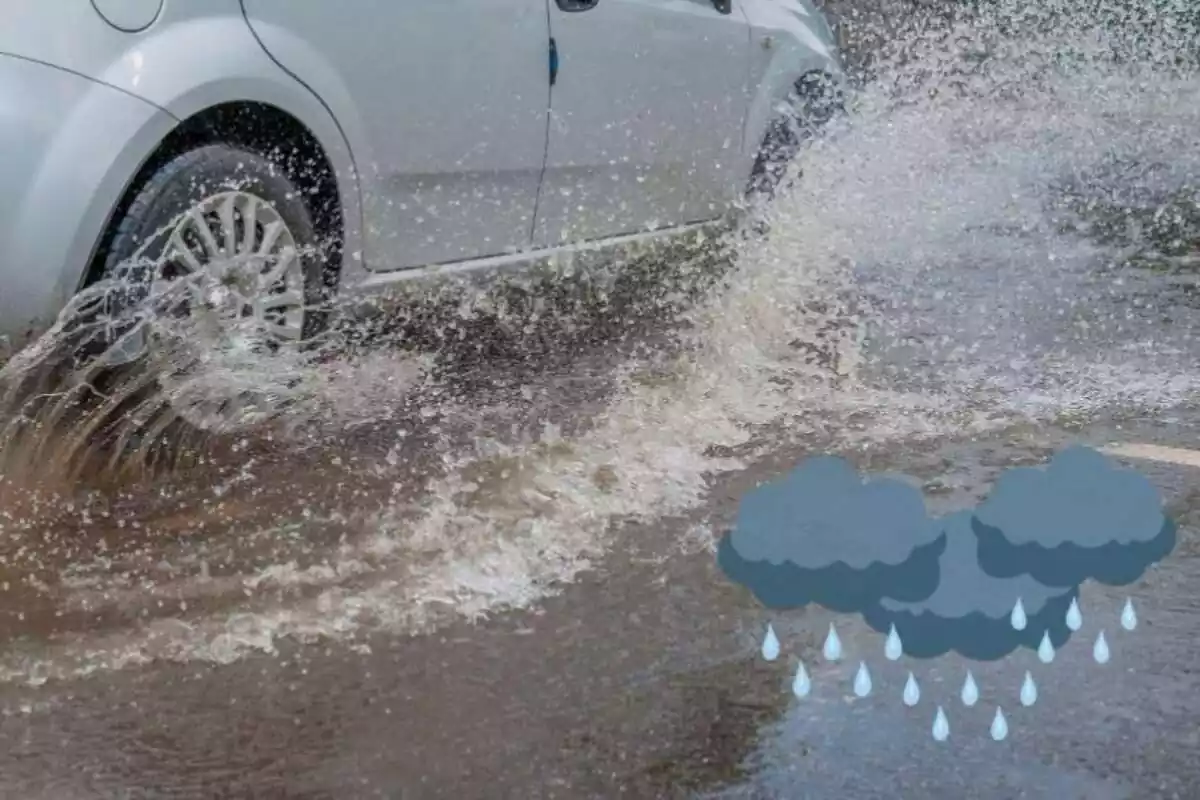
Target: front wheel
x,y
216,275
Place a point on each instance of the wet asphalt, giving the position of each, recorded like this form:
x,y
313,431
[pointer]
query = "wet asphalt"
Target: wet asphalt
x,y
644,680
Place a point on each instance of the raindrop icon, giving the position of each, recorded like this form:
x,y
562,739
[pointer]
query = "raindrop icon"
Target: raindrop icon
x,y
941,726
1128,616
833,645
1100,649
862,680
1046,649
1028,691
970,691
801,684
1018,616
893,649
1074,618
999,726
912,692
770,645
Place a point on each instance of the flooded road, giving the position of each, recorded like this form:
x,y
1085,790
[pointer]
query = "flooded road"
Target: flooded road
x,y
484,568
643,679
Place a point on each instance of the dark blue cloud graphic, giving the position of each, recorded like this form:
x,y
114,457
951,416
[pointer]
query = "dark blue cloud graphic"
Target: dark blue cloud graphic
x,y
1082,517
825,535
970,612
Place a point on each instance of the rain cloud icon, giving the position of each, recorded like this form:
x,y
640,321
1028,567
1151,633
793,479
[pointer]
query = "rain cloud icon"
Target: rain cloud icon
x,y
982,582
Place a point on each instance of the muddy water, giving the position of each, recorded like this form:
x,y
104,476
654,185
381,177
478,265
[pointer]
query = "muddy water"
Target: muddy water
x,y
642,680
960,257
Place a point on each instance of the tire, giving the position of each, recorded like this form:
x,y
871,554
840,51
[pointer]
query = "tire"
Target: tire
x,y
814,101
186,181
201,183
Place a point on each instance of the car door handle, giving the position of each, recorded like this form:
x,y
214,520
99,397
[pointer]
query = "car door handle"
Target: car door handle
x,y
723,6
577,5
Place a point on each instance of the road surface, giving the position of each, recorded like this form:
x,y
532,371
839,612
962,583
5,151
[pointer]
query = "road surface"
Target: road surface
x,y
495,578
644,679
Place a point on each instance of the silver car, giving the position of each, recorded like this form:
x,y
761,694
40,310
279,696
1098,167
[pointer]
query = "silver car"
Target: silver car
x,y
352,145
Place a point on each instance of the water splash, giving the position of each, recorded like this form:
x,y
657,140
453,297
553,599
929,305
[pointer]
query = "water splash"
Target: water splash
x,y
999,729
1129,618
1029,691
833,645
970,691
1074,616
801,684
770,645
1045,650
941,726
862,680
912,692
155,379
957,176
893,649
1100,650
1018,618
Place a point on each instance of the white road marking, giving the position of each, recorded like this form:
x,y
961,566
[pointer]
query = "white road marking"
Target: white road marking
x,y
1155,452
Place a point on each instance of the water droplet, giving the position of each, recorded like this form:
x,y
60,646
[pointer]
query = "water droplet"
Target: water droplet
x,y
941,726
862,680
1046,649
970,691
1028,691
1074,618
1129,616
893,649
1018,616
833,645
912,692
1100,650
801,684
999,726
770,645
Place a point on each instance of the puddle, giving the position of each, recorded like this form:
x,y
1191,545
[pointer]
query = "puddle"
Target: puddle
x,y
941,271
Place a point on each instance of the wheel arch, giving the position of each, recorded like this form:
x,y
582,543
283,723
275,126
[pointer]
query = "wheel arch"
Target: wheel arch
x,y
143,87
207,57
263,128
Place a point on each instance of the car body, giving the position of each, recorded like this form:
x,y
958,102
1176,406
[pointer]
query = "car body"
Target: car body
x,y
453,135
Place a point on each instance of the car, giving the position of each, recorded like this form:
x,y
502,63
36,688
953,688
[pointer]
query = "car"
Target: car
x,y
289,150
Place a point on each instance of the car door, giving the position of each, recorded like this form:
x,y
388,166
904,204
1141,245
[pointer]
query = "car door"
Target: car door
x,y
646,116
450,98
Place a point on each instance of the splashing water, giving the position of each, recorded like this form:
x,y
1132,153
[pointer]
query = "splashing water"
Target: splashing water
x,y
124,371
1029,691
862,680
1074,617
978,151
999,729
833,645
970,691
801,684
770,645
1100,649
893,649
941,726
1045,650
1018,619
1129,618
912,692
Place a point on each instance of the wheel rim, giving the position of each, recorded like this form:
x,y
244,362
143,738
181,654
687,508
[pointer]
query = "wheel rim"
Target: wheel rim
x,y
240,269
232,273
